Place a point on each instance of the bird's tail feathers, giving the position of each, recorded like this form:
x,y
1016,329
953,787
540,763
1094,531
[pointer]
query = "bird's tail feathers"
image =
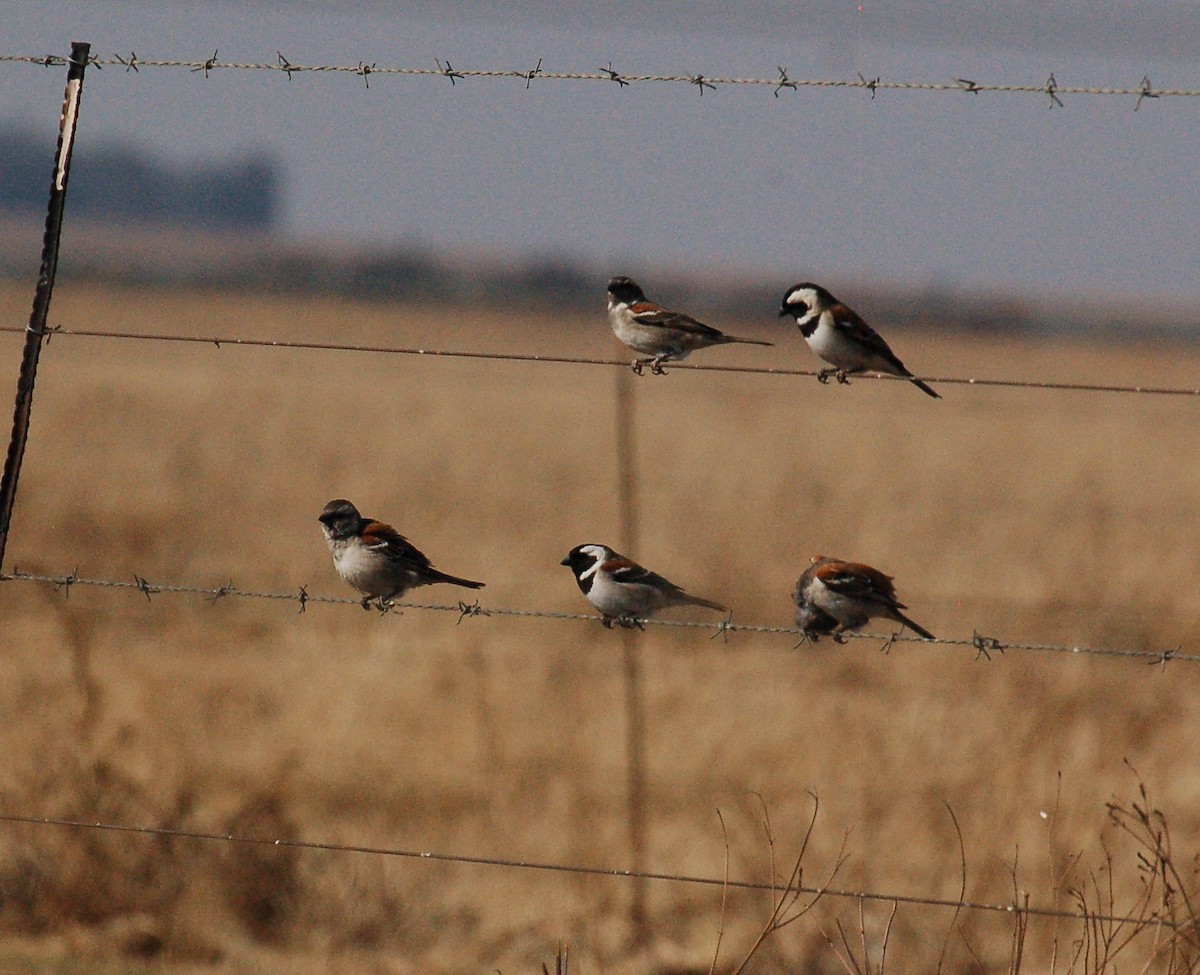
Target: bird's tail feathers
x,y
745,341
456,580
690,600
916,628
927,390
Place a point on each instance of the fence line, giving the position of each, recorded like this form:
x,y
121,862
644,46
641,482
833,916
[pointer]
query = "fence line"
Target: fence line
x,y
781,81
776,889
232,340
984,646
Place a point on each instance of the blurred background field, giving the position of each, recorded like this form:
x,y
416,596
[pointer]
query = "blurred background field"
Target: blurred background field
x,y
1027,515
1033,234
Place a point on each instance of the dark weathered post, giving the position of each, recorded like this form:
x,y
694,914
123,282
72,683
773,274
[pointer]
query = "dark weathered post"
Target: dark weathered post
x,y
36,331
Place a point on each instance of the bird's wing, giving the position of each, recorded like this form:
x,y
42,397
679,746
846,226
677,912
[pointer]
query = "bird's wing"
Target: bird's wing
x,y
385,539
847,320
859,581
628,572
655,315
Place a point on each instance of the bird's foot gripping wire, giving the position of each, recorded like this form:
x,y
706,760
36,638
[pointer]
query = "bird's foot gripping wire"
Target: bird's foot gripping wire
x,y
655,363
625,622
839,374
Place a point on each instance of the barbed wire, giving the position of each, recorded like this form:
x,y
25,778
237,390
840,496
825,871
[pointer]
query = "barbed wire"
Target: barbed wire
x,y
781,81
228,340
825,891
984,646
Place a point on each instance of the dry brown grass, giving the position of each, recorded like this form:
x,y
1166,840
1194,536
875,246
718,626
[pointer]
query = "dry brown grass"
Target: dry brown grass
x,y
1026,515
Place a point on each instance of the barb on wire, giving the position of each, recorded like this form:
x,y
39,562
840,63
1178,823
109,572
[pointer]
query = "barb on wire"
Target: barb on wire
x,y
981,644
222,591
968,85
466,609
701,82
613,76
240,341
448,71
1051,89
131,64
365,70
530,75
595,871
66,582
284,65
985,644
873,84
783,81
1145,92
207,65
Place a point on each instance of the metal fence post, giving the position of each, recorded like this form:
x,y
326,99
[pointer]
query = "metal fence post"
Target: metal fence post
x,y
35,333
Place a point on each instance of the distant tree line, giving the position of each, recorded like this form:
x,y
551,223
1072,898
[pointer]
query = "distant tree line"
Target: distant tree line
x,y
122,183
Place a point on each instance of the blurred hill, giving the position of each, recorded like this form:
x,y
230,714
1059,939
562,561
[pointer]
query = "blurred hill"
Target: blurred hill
x,y
134,218
115,181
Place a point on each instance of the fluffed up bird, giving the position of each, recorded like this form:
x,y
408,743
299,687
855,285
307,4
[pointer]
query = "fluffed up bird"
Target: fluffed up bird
x,y
837,334
660,335
376,559
833,596
623,591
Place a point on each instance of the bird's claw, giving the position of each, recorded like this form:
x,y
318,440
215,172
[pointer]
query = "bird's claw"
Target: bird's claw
x,y
655,364
624,622
824,376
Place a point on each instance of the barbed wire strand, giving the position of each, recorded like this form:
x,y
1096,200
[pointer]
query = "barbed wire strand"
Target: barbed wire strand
x,y
860,895
782,81
983,645
224,340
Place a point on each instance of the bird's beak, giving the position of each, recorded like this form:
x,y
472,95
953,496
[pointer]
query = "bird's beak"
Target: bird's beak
x,y
784,311
566,561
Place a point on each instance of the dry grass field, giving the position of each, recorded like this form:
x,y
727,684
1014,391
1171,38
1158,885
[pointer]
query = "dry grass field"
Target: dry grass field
x,y
1025,515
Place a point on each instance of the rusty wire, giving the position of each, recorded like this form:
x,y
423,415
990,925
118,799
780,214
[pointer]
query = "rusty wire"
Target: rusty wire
x,y
1049,89
220,341
490,861
983,646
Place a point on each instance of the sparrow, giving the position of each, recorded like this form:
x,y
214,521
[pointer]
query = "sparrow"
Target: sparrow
x,y
376,559
661,335
836,333
833,596
623,591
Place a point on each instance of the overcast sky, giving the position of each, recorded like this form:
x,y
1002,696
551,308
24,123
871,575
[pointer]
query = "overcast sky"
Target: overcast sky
x,y
986,192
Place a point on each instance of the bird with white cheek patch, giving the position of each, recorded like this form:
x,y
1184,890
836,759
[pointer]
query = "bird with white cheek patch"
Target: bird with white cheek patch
x,y
837,334
833,596
623,591
660,335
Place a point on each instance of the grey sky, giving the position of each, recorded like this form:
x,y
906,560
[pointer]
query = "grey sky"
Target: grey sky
x,y
986,192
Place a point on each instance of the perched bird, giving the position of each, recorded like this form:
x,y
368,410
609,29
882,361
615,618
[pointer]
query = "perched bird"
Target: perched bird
x,y
661,335
622,590
836,333
376,559
833,596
